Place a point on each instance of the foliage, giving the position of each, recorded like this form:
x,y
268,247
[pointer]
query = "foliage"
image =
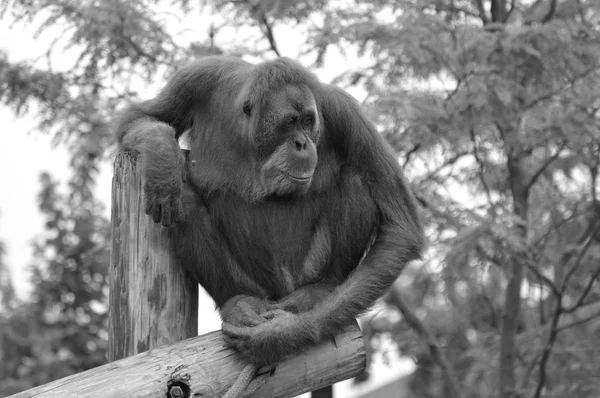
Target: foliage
x,y
7,289
62,328
513,127
493,109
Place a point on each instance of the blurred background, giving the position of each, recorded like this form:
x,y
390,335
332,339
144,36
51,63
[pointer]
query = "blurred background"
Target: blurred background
x,y
491,105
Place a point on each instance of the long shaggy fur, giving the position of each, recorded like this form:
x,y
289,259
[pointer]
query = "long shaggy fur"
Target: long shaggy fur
x,y
305,265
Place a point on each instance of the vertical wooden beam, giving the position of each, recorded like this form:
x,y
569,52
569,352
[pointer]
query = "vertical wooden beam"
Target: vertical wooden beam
x,y
152,302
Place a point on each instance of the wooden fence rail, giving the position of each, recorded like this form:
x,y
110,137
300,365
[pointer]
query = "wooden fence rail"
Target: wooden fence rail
x,y
153,306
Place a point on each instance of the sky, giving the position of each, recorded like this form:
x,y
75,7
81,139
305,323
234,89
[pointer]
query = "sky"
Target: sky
x,y
25,153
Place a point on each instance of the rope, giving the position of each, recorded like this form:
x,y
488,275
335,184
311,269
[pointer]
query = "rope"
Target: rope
x,y
243,380
246,383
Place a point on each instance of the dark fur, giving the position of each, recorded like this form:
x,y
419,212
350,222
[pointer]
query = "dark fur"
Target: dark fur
x,y
299,254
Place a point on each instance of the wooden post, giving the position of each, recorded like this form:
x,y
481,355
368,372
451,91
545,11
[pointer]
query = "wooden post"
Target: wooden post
x,y
152,302
209,367
153,306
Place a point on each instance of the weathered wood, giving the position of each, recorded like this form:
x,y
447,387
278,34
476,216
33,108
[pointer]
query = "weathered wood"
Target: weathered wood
x,y
210,367
154,306
152,302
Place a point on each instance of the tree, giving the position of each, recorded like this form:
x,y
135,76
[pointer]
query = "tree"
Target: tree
x,y
7,289
513,126
62,328
493,108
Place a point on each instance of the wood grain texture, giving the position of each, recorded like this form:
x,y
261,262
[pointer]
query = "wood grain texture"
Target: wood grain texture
x,y
152,301
153,306
210,367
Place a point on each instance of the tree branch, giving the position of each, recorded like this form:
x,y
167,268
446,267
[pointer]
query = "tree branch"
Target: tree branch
x,y
450,162
586,291
481,166
436,353
579,321
594,181
550,12
498,10
482,14
559,91
546,164
547,281
453,222
409,154
449,8
268,31
582,253
513,3
548,348
555,226
512,301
